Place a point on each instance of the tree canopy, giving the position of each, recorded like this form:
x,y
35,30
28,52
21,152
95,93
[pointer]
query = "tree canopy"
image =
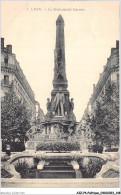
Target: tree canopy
x,y
15,117
104,121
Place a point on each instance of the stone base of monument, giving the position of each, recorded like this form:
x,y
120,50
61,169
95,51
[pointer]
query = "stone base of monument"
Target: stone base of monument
x,y
59,118
52,132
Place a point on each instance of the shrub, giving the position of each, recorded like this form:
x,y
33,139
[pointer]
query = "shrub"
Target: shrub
x,y
112,150
111,174
5,174
59,146
22,168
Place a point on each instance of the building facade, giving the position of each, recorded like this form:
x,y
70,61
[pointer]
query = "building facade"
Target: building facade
x,y
110,75
12,77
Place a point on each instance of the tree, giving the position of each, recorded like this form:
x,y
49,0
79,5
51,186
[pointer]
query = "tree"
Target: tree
x,y
15,118
105,120
98,124
86,131
111,104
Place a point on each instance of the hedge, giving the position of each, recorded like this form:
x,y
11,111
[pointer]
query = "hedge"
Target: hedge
x,y
58,146
111,150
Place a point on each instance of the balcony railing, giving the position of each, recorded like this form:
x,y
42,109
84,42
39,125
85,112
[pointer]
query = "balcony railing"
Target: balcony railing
x,y
8,66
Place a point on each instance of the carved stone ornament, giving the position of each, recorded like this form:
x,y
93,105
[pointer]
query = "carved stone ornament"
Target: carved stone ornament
x,y
57,129
40,128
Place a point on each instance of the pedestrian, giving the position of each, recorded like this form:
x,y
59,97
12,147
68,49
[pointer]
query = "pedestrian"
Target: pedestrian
x,y
8,150
95,149
100,148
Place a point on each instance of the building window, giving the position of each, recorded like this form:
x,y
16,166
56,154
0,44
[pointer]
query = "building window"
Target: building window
x,y
6,79
117,77
6,61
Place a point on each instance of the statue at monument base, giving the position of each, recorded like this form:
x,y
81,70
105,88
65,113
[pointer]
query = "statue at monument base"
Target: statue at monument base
x,y
59,102
60,108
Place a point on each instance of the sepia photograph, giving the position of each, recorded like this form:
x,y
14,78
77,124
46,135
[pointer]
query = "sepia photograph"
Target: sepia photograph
x,y
60,96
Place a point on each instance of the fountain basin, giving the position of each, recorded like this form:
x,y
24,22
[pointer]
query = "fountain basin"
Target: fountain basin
x,y
60,165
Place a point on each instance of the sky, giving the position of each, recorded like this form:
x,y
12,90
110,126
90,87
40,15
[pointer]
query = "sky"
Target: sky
x,y
91,30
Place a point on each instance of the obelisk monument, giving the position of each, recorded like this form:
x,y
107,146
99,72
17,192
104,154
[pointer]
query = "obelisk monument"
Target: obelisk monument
x,y
59,57
60,107
60,122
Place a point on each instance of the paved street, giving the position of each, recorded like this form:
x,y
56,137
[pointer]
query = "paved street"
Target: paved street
x,y
61,183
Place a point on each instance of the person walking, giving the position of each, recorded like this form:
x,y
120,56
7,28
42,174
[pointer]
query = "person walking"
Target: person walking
x,y
8,150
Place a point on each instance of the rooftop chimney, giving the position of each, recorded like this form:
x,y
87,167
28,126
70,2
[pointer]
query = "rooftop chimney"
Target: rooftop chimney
x,y
115,50
117,44
9,49
2,44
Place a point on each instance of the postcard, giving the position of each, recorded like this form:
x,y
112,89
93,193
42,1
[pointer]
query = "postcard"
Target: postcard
x,y
60,97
